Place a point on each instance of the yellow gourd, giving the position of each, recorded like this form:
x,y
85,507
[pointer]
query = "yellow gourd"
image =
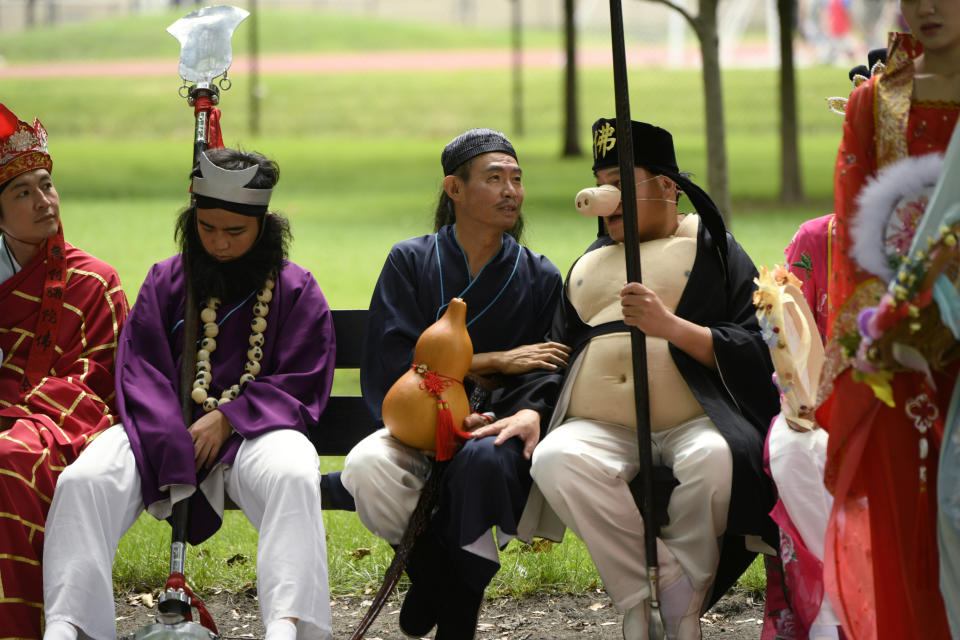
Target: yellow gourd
x,y
410,411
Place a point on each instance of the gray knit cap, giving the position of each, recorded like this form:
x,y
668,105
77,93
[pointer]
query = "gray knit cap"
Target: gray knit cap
x,y
471,144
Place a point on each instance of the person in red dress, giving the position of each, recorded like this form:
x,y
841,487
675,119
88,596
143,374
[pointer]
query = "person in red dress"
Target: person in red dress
x,y
880,564
62,310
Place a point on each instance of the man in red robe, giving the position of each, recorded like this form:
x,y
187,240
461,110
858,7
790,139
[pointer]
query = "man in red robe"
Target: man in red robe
x,y
62,310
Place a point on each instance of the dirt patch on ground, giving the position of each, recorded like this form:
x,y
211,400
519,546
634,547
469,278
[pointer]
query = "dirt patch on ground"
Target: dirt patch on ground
x,y
543,617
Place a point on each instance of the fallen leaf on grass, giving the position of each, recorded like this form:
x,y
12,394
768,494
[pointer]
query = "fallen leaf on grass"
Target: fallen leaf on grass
x,y
359,552
237,557
539,545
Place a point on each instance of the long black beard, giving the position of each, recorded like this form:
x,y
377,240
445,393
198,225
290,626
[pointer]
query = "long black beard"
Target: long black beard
x,y
236,279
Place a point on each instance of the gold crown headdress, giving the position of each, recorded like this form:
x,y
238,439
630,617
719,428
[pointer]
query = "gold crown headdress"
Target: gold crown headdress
x,y
22,147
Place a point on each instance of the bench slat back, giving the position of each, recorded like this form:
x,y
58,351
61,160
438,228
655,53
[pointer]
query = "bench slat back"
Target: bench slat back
x,y
345,420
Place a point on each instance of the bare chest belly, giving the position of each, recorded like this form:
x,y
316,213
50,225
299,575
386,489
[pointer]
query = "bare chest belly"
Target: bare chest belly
x,y
603,389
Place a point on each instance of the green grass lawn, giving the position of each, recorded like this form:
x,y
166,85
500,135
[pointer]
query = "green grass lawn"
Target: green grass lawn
x,y
359,157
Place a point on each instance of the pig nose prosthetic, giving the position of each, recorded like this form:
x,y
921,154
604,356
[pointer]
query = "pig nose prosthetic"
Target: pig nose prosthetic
x,y
598,201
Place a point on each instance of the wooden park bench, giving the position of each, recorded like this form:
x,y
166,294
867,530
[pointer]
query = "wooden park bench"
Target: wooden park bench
x,y
346,420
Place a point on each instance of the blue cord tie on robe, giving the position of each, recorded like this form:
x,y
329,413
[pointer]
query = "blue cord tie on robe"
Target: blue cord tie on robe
x,y
436,246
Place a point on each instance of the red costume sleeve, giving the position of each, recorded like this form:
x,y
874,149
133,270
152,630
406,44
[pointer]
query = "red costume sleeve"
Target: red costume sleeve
x,y
856,162
75,399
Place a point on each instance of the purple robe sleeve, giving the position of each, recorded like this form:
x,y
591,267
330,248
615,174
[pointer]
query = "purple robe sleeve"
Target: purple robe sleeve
x,y
146,380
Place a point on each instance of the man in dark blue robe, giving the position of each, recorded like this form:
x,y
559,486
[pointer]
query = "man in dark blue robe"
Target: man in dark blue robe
x,y
511,293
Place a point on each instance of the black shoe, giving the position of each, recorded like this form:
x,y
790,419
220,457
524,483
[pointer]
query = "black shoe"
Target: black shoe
x,y
418,615
459,613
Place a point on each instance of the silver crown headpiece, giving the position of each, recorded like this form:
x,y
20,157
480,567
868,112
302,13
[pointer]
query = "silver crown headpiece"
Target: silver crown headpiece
x,y
224,184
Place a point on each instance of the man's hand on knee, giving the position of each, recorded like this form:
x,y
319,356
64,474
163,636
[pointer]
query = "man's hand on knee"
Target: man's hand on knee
x,y
524,424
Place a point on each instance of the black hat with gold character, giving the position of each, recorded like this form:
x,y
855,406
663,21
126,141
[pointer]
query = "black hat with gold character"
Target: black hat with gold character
x,y
653,151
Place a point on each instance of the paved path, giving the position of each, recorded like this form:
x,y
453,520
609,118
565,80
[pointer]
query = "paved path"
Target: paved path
x,y
381,61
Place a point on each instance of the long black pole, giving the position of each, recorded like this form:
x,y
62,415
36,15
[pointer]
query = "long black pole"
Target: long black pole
x,y
180,518
628,190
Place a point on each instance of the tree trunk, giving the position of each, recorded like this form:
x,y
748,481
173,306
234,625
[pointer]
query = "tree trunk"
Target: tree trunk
x,y
791,182
571,143
517,30
718,182
255,91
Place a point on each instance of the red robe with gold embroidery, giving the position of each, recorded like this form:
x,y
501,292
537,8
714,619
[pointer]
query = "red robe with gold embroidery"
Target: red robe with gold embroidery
x,y
54,417
880,564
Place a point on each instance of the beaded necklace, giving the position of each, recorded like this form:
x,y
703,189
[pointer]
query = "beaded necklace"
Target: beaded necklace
x,y
201,385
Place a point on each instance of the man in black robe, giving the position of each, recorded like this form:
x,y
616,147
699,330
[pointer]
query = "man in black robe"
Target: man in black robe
x,y
710,390
511,294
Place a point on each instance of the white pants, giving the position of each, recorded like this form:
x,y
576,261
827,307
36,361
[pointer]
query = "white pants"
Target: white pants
x,y
385,478
582,468
797,460
274,480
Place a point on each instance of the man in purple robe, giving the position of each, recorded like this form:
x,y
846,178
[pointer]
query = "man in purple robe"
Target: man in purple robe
x,y
265,363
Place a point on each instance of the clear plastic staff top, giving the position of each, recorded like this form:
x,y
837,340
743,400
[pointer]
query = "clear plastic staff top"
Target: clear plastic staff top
x,y
204,37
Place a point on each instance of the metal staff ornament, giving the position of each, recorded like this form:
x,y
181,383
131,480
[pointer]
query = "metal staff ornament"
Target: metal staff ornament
x,y
204,36
205,54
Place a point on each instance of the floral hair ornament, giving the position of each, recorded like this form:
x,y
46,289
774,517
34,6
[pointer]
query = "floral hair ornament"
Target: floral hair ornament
x,y
229,186
22,147
790,331
876,64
